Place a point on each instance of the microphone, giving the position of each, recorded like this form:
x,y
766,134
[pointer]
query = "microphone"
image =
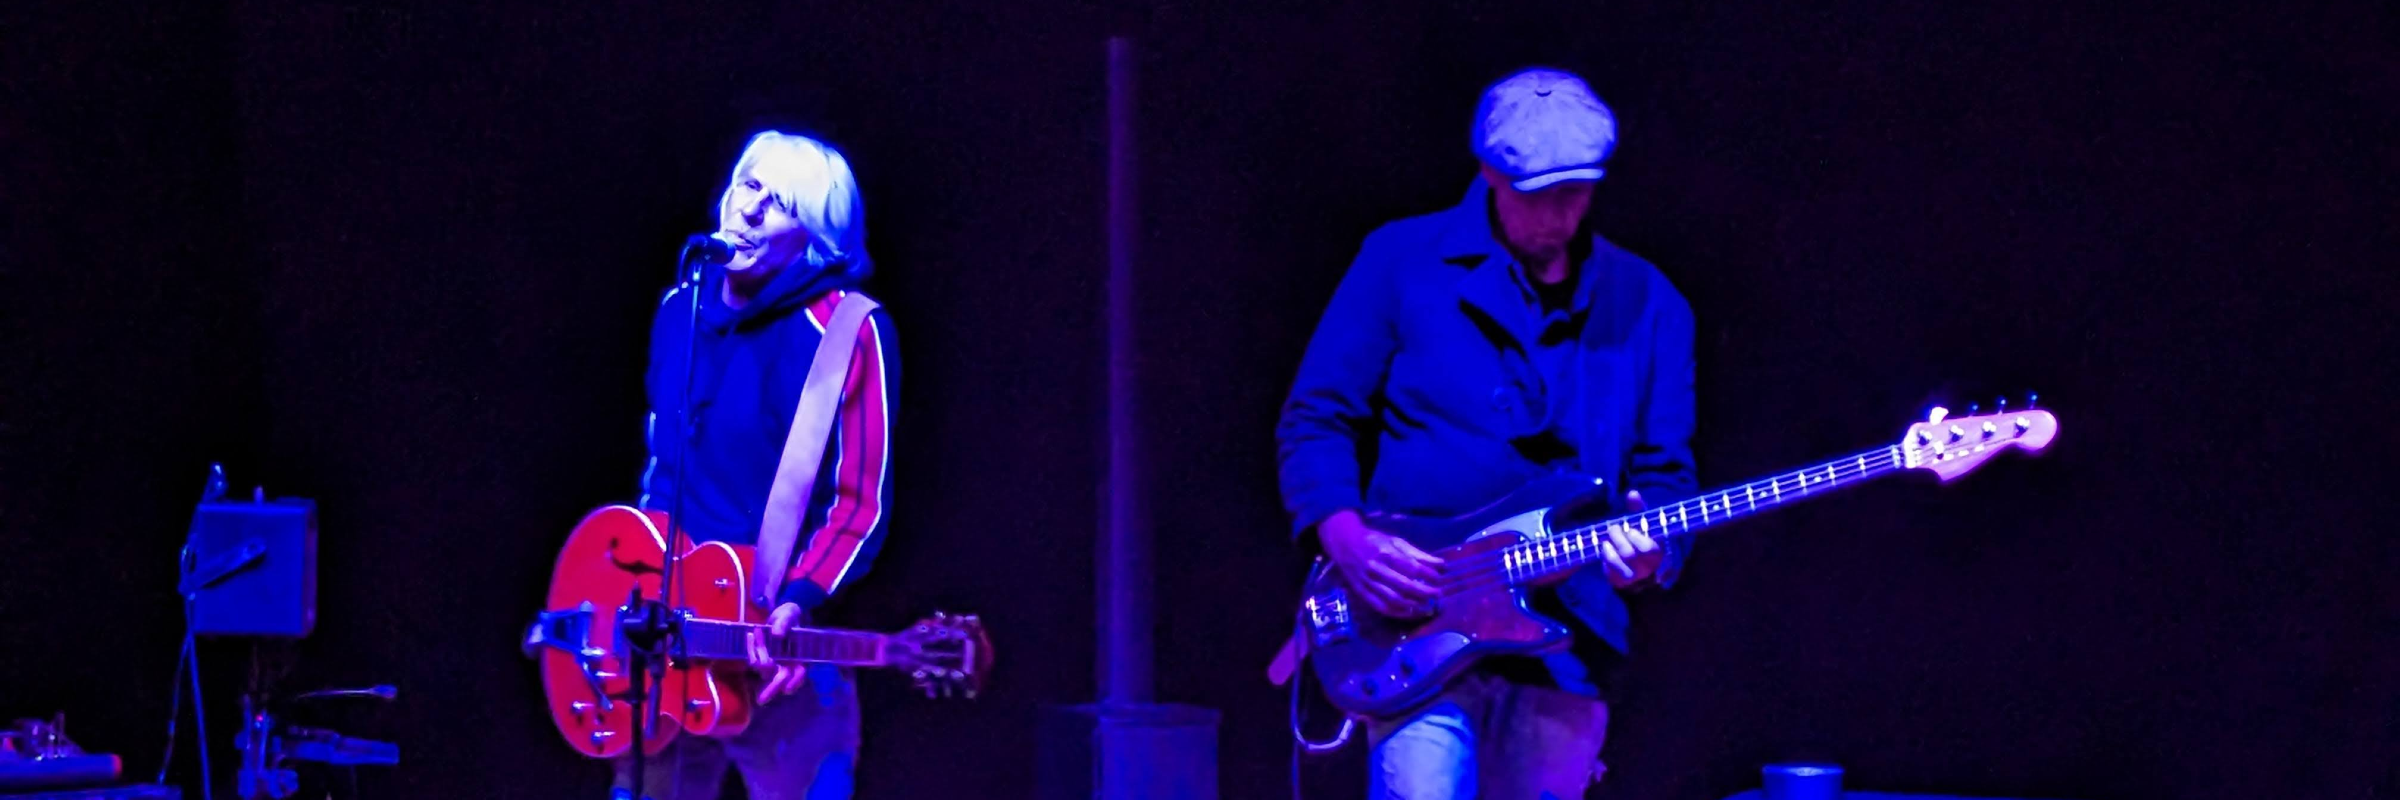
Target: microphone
x,y
712,249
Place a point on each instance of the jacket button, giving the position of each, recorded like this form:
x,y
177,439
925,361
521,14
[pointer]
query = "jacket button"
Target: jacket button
x,y
1502,399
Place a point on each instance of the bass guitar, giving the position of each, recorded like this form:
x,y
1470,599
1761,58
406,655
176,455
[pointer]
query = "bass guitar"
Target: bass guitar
x,y
705,685
1370,665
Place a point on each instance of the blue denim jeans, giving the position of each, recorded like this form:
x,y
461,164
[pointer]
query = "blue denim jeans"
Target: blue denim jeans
x,y
801,746
1486,737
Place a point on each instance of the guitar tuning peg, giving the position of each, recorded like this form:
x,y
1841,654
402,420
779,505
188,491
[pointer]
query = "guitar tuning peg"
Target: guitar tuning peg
x,y
1935,416
1974,408
2003,409
2029,398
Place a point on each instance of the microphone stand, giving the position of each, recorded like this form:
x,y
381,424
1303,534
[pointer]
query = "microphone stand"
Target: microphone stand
x,y
644,623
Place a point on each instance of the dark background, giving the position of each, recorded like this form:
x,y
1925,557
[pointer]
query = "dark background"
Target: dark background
x,y
401,260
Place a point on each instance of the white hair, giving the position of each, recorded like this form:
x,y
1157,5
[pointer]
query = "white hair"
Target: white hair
x,y
811,181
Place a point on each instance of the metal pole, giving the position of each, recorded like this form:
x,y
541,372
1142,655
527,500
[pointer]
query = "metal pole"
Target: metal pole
x,y
1124,557
1126,745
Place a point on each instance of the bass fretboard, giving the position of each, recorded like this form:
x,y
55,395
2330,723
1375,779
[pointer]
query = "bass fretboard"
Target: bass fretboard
x,y
1570,549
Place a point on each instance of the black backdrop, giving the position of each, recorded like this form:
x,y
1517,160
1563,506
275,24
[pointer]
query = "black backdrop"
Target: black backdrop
x,y
400,260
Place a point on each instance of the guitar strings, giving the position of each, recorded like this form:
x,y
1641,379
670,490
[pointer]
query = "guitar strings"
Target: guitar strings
x,y
1472,573
1681,511
1535,558
791,641
1539,557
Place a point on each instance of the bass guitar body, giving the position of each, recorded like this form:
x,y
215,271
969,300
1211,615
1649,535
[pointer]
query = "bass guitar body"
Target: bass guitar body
x,y
1378,666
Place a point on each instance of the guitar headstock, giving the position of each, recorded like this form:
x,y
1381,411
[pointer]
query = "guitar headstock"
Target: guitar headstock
x,y
944,654
1954,446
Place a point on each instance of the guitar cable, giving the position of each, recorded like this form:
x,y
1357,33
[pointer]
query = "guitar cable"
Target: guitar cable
x,y
1299,673
1295,737
1300,742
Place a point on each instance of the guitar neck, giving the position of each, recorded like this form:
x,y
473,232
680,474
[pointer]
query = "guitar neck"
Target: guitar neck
x,y
707,639
1570,549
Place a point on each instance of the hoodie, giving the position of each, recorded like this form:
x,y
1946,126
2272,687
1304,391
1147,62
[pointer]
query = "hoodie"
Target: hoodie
x,y
748,366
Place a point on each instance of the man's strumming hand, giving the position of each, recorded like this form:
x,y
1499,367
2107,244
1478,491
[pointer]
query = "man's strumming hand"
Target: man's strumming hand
x,y
1395,578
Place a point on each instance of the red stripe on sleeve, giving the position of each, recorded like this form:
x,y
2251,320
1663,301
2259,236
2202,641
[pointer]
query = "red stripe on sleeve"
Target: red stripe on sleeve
x,y
864,427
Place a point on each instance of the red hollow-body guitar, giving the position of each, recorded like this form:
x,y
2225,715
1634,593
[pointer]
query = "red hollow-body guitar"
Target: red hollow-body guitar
x,y
706,685
1373,666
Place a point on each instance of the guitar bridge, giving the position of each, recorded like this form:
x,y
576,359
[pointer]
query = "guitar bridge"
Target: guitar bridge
x,y
1329,617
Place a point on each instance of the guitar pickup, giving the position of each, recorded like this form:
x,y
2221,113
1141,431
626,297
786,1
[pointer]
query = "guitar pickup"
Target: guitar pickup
x,y
1329,618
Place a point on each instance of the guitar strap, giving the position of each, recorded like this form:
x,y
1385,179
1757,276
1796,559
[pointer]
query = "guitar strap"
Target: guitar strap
x,y
1287,660
804,447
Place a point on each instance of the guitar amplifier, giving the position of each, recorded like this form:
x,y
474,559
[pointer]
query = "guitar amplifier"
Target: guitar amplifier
x,y
254,569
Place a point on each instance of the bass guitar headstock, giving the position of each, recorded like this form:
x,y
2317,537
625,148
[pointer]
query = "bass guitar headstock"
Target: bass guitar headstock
x,y
944,654
1953,446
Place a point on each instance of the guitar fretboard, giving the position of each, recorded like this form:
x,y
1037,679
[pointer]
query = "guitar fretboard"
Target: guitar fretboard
x,y
716,639
1569,549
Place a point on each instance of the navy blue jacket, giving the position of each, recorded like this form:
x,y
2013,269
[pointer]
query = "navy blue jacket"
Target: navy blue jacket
x,y
1437,382
749,366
